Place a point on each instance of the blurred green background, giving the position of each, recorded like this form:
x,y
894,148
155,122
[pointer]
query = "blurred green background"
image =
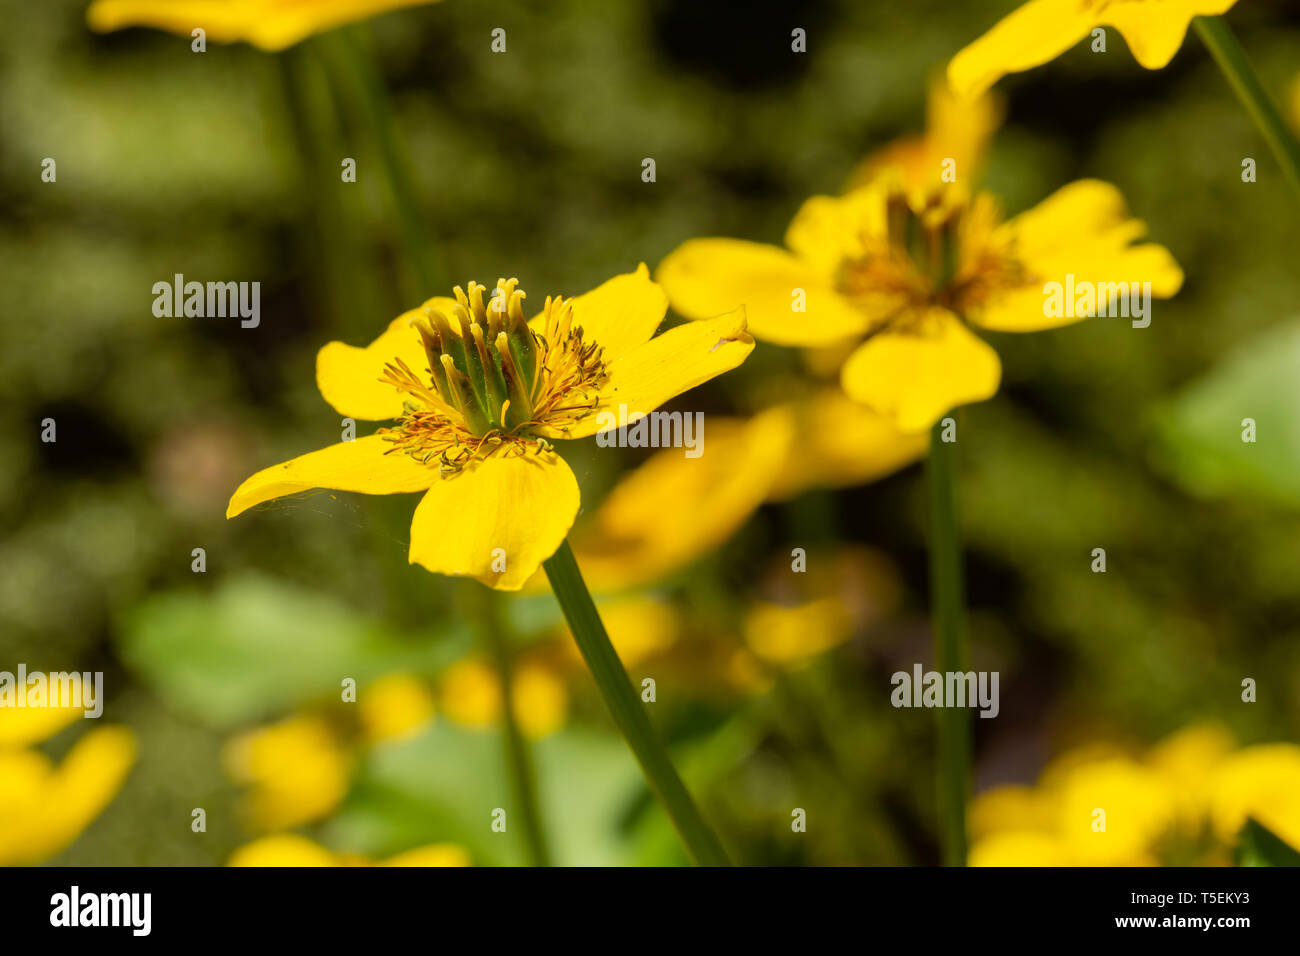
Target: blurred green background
x,y
225,166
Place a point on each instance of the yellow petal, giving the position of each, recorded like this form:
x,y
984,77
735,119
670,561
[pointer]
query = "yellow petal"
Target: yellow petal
x,y
1155,31
541,701
639,627
673,509
1020,848
283,849
1009,808
296,770
915,378
1083,231
360,465
265,24
621,313
437,854
509,511
842,443
661,369
20,726
394,707
790,636
349,377
1261,782
705,277
1031,35
88,778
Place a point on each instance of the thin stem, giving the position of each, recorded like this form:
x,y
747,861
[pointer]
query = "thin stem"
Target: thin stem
x,y
354,58
523,781
626,708
1227,52
948,605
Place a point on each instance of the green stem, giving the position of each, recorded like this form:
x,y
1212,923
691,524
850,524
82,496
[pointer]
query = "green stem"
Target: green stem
x,y
948,607
625,707
523,781
354,58
1227,52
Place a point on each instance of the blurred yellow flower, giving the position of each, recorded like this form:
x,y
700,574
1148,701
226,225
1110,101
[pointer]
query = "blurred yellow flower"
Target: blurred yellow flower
x,y
290,850
1190,783
44,807
639,628
476,405
394,707
268,24
296,771
470,692
1041,30
907,272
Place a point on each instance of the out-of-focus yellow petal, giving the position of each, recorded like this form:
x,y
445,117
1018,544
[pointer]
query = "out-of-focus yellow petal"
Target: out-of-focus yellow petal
x,y
1188,760
787,300
663,368
639,628
437,854
789,636
914,378
349,377
267,24
1138,804
296,770
541,700
1009,809
283,849
621,313
1082,230
842,443
497,520
1261,782
78,791
24,781
394,707
1020,848
360,465
470,693
20,726
1041,30
1033,34
673,509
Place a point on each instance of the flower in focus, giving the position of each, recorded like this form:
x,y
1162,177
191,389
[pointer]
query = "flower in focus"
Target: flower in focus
x,y
1184,801
287,849
478,394
1041,30
906,265
45,806
267,24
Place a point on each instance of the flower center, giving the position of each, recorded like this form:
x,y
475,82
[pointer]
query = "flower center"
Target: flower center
x,y
491,380
938,250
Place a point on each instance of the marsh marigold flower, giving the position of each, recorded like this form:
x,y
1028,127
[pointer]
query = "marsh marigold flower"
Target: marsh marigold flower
x,y
907,266
479,393
1042,30
288,849
268,24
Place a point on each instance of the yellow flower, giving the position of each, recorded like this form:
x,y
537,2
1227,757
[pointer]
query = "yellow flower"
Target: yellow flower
x,y
290,850
44,806
1041,30
1261,782
297,771
268,24
906,272
478,394
394,707
471,696
639,627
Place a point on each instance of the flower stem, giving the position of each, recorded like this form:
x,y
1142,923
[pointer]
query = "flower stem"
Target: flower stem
x,y
948,603
354,58
626,708
486,614
1227,52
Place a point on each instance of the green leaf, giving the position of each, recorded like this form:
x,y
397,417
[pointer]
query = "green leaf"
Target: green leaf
x,y
1200,431
257,647
1259,846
